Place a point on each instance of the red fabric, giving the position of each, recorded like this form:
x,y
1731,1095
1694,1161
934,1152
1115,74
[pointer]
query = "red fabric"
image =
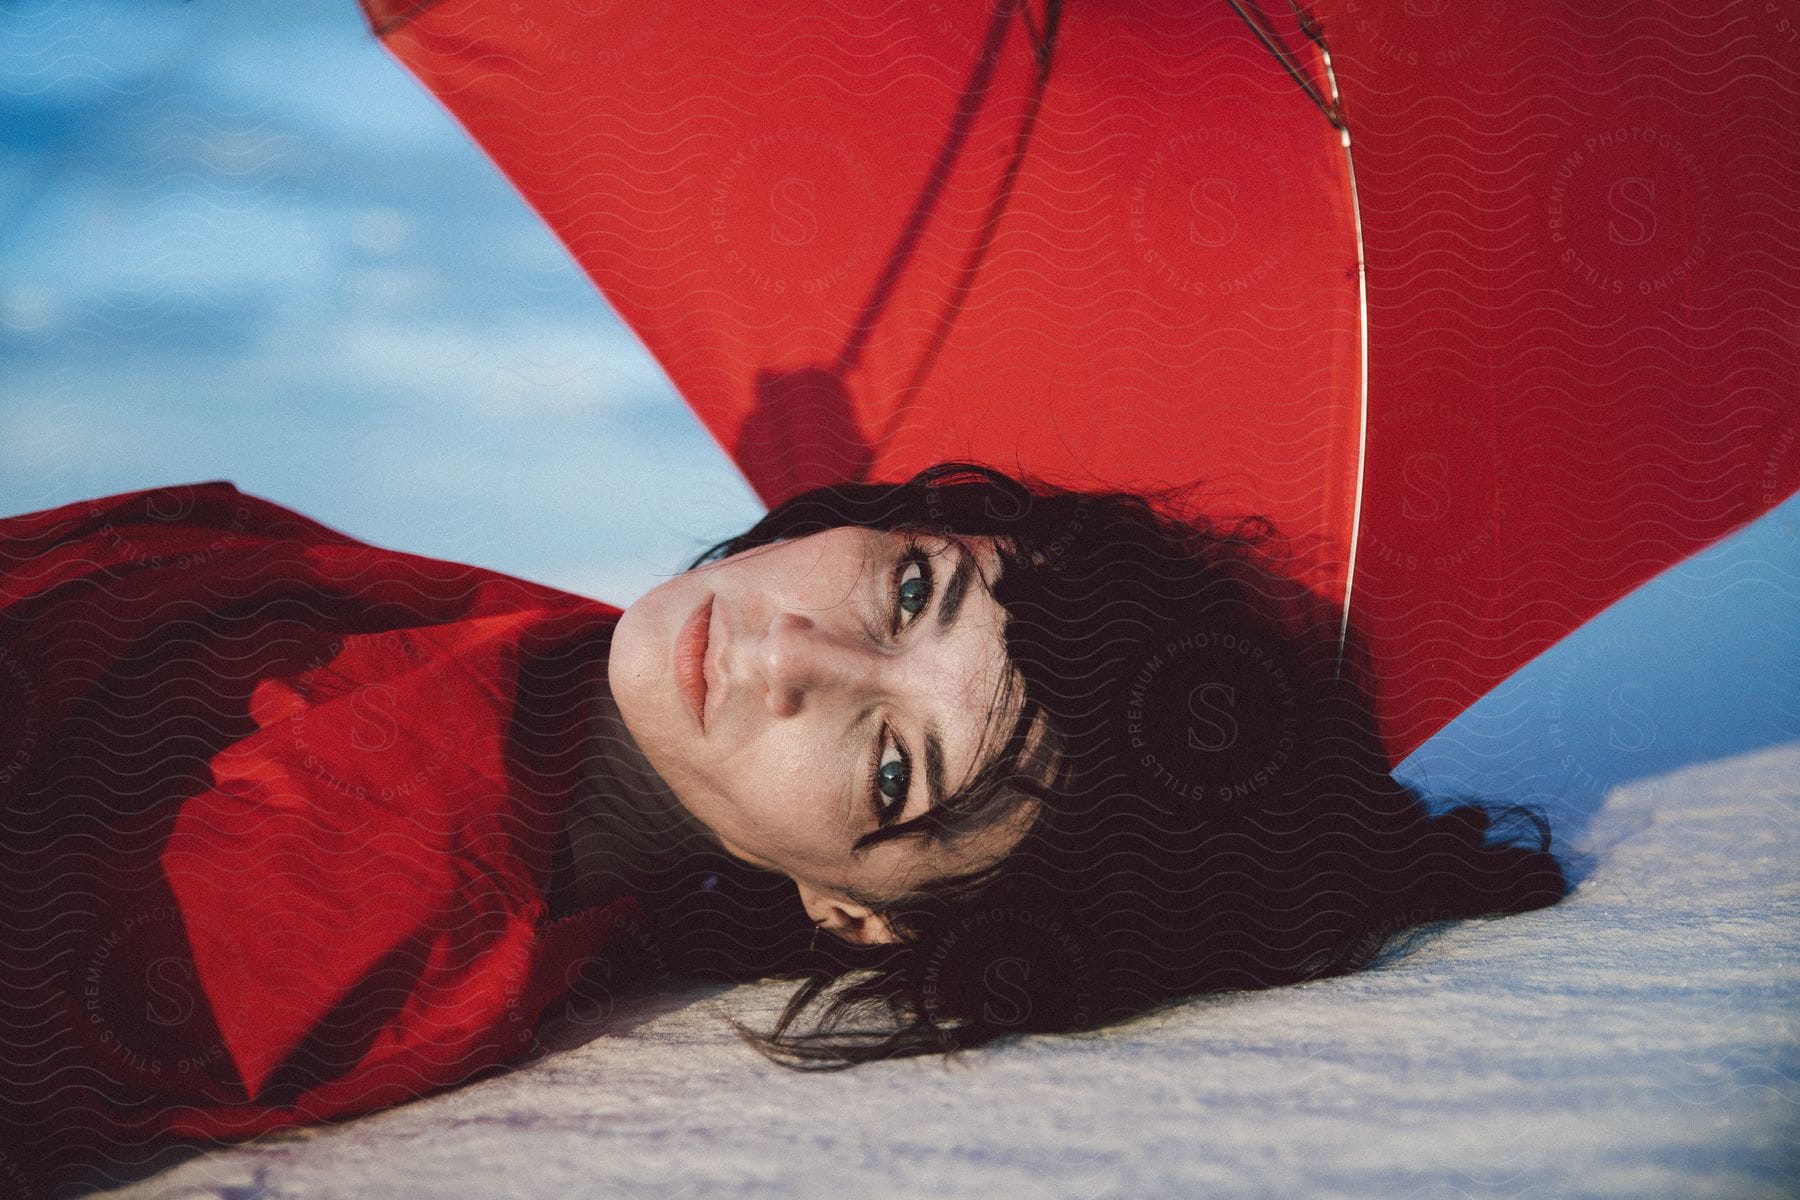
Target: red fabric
x,y
863,237
275,831
1584,280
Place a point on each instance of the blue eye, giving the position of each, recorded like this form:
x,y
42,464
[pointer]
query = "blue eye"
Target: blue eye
x,y
890,779
913,585
889,782
915,593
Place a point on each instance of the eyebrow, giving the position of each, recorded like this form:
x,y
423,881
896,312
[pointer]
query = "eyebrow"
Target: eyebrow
x,y
949,608
955,590
934,768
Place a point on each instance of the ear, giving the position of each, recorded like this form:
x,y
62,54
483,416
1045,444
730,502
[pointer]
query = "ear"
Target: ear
x,y
844,917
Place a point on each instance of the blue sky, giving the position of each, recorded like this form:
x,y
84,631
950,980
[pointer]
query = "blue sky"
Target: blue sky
x,y
239,242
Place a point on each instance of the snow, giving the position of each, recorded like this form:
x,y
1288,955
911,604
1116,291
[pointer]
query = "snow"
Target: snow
x,y
1637,1040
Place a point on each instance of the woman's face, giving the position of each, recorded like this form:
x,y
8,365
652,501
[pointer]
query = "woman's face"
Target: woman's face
x,y
848,679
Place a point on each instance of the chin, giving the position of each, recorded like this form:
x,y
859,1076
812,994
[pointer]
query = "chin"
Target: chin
x,y
638,678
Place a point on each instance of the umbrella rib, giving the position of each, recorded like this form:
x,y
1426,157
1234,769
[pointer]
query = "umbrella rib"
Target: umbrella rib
x,y
1332,109
1362,381
984,241
973,97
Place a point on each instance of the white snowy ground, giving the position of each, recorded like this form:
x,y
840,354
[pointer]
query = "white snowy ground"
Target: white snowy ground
x,y
1638,1040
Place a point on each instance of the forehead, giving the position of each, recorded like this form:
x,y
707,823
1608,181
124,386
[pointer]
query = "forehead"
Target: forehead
x,y
959,680
973,696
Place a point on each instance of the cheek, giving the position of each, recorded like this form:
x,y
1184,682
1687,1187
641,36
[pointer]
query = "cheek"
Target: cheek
x,y
792,799
640,678
632,668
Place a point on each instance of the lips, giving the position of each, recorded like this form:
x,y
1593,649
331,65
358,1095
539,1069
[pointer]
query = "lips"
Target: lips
x,y
690,660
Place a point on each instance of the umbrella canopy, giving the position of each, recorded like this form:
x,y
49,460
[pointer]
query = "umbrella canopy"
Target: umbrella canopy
x,y
1123,244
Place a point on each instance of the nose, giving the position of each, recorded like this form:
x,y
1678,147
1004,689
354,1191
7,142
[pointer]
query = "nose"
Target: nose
x,y
800,660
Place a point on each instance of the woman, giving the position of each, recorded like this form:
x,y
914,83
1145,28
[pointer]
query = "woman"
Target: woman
x,y
1179,788
296,827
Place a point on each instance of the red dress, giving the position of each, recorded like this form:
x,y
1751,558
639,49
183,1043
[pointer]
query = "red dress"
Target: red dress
x,y
277,815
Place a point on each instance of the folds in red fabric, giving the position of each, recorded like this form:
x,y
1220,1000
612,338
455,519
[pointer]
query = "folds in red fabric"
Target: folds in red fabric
x,y
271,850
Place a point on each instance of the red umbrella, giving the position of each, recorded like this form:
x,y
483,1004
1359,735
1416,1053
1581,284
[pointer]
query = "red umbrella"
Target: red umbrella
x,y
1121,244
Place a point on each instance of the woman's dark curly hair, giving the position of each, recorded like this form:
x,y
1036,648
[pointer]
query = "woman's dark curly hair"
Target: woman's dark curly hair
x,y
1220,814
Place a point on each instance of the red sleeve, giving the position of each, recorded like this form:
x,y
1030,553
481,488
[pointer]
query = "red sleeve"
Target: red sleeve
x,y
270,854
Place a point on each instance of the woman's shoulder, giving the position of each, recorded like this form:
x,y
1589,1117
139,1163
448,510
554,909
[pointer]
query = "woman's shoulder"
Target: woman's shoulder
x,y
213,537
309,748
